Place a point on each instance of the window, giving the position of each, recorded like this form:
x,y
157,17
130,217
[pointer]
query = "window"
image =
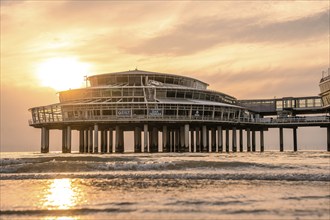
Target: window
x,y
161,94
171,94
127,92
108,112
96,112
188,94
196,95
116,92
134,80
180,94
138,92
170,112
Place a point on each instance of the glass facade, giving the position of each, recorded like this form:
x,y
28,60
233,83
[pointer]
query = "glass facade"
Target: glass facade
x,y
141,96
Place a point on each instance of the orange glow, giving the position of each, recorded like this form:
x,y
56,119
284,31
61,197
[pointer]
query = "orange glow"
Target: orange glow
x,y
62,73
61,195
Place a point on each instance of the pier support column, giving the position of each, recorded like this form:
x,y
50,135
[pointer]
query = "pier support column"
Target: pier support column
x,y
68,139
64,140
110,140
150,141
86,141
208,140
186,138
173,132
96,138
145,138
281,140
295,144
172,139
105,141
176,140
44,140
121,141
234,140
119,148
102,141
192,141
198,140
182,139
137,140
47,141
166,139
220,139
240,140
227,140
69,134
43,129
213,140
90,139
328,139
205,138
248,140
81,141
254,140
154,140
262,147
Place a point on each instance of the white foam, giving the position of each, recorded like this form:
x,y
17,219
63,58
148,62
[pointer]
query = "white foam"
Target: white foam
x,y
131,165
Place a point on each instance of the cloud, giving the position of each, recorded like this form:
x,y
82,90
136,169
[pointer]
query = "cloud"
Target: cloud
x,y
267,82
291,30
203,33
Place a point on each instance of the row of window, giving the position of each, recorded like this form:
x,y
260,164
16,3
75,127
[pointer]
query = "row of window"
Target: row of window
x,y
119,111
325,86
115,94
299,103
280,104
124,113
140,80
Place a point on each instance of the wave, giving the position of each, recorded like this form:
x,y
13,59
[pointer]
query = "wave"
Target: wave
x,y
85,166
307,197
63,212
183,175
289,167
88,164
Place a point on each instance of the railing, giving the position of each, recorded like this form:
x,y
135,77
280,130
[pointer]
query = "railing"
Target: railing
x,y
132,118
280,104
291,120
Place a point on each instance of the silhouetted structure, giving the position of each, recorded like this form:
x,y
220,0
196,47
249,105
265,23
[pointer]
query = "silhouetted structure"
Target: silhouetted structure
x,y
190,117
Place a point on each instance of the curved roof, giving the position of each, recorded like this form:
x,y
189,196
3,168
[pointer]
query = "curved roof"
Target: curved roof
x,y
142,72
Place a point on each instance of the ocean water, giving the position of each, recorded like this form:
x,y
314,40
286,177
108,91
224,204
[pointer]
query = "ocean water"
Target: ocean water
x,y
269,185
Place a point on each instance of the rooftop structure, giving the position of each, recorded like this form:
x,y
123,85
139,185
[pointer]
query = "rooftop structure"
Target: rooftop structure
x,y
181,107
325,88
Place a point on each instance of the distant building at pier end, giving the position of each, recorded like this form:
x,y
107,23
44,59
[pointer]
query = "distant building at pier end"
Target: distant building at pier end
x,y
325,89
171,113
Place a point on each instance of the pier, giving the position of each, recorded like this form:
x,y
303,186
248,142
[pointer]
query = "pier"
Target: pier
x,y
170,113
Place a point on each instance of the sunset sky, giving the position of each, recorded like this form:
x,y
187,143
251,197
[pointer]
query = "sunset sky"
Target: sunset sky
x,y
248,49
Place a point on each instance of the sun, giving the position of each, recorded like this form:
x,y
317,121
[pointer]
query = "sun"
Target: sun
x,y
62,73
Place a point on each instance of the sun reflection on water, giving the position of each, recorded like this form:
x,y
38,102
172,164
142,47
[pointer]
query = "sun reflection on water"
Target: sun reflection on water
x,y
62,194
61,218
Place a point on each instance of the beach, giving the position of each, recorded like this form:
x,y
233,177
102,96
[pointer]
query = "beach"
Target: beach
x,y
269,185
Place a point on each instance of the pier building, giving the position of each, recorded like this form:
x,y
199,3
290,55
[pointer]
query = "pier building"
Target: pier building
x,y
170,113
325,89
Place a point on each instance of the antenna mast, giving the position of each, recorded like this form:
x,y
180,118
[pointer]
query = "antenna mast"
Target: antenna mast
x,y
85,79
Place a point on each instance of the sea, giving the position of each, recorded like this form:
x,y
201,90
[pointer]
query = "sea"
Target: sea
x,y
247,185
